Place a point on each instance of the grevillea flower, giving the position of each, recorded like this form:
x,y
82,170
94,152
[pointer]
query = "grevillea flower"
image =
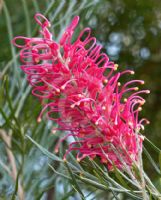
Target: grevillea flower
x,y
84,94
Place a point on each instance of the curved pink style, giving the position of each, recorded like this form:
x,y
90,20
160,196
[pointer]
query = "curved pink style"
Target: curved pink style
x,y
84,94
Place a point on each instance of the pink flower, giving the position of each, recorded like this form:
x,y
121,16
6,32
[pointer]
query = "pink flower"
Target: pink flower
x,y
84,94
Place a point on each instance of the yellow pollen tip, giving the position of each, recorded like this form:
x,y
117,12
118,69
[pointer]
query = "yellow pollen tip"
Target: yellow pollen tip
x,y
119,84
105,81
142,82
58,90
116,66
139,109
72,106
78,160
80,95
142,102
37,60
142,137
125,100
53,131
56,150
103,107
96,123
136,88
130,123
39,119
132,72
148,91
62,87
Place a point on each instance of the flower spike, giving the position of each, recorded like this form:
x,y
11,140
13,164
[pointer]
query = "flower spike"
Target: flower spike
x,y
82,100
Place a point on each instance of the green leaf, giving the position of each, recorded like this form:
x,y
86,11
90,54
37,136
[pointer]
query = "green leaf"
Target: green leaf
x,y
152,161
93,183
27,17
115,195
120,178
69,194
17,184
60,174
152,145
10,104
74,183
43,150
100,177
160,160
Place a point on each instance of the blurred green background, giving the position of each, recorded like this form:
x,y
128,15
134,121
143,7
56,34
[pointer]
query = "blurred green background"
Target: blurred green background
x,y
130,32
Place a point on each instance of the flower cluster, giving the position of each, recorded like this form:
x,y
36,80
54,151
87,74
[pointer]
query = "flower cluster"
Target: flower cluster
x,y
84,94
